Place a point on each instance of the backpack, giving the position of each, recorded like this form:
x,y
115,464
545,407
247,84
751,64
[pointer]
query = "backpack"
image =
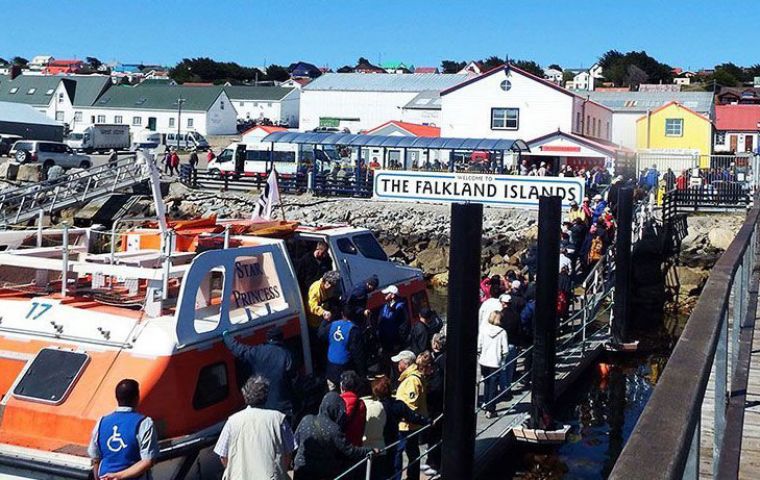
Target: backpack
x,y
595,252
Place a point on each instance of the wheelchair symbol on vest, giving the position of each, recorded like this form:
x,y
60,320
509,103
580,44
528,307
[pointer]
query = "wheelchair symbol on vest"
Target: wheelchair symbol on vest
x,y
338,335
115,443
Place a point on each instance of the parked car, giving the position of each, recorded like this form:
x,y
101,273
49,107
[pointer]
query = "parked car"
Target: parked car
x,y
6,142
48,154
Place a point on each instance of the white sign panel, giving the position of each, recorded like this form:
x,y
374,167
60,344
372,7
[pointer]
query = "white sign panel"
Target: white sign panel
x,y
496,190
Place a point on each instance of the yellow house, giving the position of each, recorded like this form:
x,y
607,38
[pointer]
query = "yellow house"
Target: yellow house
x,y
673,128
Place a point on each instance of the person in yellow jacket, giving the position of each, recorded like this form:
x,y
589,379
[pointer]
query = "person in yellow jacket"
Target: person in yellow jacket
x,y
411,390
321,294
576,212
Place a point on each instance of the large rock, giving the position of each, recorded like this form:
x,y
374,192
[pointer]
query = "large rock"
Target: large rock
x,y
29,172
9,170
433,260
720,238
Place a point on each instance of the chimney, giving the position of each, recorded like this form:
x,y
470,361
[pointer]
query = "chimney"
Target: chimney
x,y
15,71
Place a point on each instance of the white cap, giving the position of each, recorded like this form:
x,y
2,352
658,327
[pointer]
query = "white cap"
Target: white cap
x,y
597,197
516,284
390,289
506,298
405,355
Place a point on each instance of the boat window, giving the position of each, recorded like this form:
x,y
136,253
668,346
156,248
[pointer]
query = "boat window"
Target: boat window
x,y
51,375
208,301
345,246
368,246
256,289
212,386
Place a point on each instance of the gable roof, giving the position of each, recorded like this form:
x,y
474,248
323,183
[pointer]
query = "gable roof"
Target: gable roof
x,y
19,113
522,72
737,117
264,128
673,103
266,93
414,129
425,100
701,102
594,143
82,89
159,97
359,82
87,88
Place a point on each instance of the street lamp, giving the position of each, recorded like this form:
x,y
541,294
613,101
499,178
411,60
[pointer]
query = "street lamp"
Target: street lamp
x,y
180,101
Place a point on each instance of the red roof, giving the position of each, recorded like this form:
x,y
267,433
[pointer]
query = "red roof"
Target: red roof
x,y
198,84
737,117
426,70
267,128
415,129
64,63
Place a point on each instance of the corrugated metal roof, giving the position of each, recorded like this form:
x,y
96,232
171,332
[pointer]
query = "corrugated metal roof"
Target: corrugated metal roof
x,y
700,102
266,93
392,141
84,89
426,100
362,82
20,113
159,98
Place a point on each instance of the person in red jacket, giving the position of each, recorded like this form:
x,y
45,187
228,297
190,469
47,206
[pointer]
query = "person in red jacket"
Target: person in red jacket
x,y
682,181
356,411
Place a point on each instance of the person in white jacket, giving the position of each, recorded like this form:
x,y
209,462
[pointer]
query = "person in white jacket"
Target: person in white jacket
x,y
493,347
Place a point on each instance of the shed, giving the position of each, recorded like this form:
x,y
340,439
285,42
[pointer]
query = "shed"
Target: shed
x,y
25,121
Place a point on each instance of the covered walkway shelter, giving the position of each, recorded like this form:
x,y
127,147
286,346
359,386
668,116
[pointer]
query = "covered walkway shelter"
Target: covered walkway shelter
x,y
496,147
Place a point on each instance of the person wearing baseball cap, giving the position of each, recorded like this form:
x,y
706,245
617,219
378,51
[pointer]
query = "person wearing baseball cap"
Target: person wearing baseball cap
x,y
411,390
392,324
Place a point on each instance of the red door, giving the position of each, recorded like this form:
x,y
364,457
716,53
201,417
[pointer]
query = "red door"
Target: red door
x,y
733,142
748,140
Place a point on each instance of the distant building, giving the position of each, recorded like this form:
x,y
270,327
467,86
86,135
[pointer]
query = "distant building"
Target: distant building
x,y
206,110
295,83
426,70
39,62
515,104
359,101
553,75
737,128
304,70
738,96
674,129
472,68
59,67
396,67
277,104
367,67
575,151
585,79
628,107
659,87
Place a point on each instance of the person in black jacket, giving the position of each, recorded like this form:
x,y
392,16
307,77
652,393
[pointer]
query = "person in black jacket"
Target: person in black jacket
x,y
510,322
422,331
395,411
322,450
435,403
313,265
272,361
357,299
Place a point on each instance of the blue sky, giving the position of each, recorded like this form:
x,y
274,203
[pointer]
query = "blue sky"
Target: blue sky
x,y
690,34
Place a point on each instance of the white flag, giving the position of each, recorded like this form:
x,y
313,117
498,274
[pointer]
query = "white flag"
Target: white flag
x,y
269,198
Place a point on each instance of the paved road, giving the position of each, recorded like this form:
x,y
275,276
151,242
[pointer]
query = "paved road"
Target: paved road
x,y
103,159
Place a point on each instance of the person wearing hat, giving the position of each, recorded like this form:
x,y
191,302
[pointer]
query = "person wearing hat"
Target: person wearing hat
x,y
357,299
272,361
393,324
587,210
411,390
575,212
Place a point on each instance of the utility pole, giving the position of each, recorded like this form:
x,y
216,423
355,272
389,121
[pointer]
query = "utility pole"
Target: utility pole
x,y
180,101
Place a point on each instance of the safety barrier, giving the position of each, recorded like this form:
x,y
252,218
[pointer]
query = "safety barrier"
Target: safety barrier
x,y
665,443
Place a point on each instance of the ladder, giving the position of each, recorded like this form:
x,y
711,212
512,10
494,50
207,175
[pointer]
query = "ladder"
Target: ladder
x,y
19,205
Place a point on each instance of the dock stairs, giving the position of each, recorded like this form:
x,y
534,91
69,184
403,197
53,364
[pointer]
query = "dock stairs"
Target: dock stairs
x,y
22,204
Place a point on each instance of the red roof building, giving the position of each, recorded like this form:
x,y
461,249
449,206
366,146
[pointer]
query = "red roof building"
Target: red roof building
x,y
426,70
57,67
737,128
405,128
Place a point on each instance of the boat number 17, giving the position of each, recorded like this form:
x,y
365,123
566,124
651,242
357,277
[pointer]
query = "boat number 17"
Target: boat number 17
x,y
38,309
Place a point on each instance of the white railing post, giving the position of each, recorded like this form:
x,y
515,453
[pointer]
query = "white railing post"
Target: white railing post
x,y
167,265
65,257
40,216
226,236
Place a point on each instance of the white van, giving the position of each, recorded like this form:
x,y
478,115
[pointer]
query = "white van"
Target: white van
x,y
243,159
185,141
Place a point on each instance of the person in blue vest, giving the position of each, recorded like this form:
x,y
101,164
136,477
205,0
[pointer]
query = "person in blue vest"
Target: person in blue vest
x,y
345,348
652,177
124,443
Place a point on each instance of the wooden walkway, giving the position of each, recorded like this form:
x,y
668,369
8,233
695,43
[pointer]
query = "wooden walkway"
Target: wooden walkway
x,y
494,436
749,468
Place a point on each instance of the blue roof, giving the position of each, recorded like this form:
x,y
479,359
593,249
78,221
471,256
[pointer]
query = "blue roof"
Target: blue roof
x,y
395,141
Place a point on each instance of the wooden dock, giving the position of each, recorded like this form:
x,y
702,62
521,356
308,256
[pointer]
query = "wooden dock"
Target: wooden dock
x,y
494,435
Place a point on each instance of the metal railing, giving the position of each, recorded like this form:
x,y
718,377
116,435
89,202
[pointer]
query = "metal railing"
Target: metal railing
x,y
665,443
22,204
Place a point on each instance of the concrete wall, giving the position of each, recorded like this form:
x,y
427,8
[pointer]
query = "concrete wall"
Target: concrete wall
x,y
624,128
466,112
364,109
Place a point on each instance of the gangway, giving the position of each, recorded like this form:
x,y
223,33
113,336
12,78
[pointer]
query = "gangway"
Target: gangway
x,y
19,205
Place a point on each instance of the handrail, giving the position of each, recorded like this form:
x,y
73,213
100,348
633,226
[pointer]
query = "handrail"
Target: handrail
x,y
667,433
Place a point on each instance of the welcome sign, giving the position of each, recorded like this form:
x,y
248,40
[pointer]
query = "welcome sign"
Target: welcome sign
x,y
497,190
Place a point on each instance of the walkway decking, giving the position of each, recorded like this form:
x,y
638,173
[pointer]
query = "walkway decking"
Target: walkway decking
x,y
494,435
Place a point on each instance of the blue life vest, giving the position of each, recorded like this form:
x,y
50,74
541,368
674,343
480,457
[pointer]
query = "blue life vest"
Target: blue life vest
x,y
337,350
117,440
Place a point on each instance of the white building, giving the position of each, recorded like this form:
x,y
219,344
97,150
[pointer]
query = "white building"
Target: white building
x,y
519,105
39,62
424,109
278,104
360,101
206,110
627,107
553,75
585,79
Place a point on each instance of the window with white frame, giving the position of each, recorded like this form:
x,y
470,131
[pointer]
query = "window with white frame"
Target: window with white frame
x,y
189,123
77,116
101,119
118,119
136,120
171,121
674,127
505,118
720,138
